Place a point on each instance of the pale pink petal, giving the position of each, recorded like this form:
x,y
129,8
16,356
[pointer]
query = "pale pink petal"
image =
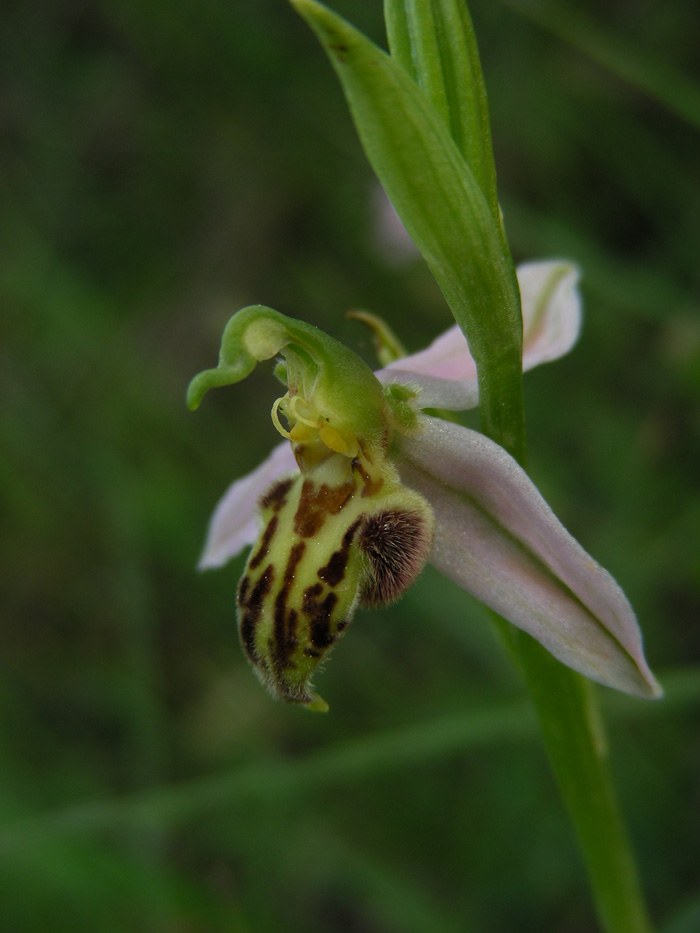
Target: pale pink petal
x,y
551,310
445,371
499,540
233,524
434,391
447,357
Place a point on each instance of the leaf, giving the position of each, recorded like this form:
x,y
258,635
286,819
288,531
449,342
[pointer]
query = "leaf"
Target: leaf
x,y
443,209
435,43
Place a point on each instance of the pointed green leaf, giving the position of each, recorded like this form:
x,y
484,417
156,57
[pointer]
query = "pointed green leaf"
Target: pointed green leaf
x,y
443,208
435,43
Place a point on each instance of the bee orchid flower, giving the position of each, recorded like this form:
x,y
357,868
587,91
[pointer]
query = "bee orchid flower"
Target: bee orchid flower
x,y
367,488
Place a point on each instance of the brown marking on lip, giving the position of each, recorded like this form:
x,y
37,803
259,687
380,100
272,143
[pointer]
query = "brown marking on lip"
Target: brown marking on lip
x,y
295,555
285,621
311,593
319,613
264,548
334,570
251,610
316,503
276,497
285,637
370,487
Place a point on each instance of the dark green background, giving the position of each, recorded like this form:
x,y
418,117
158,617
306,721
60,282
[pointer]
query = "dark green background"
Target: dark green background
x,y
164,164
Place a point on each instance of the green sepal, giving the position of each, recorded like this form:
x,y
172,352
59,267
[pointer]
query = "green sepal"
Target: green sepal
x,y
443,208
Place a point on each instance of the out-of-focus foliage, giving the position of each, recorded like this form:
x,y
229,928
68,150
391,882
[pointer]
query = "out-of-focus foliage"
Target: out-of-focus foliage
x,y
163,165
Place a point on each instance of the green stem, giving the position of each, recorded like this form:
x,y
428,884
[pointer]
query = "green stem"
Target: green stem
x,y
574,737
579,758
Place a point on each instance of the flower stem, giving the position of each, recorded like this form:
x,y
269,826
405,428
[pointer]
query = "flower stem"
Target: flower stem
x,y
574,735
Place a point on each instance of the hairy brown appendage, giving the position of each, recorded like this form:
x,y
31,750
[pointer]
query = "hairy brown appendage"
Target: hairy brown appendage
x,y
397,543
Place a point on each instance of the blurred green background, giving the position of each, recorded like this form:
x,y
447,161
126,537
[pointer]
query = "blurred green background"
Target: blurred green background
x,y
165,164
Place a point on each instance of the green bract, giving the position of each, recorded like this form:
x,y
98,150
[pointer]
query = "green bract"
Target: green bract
x,y
438,196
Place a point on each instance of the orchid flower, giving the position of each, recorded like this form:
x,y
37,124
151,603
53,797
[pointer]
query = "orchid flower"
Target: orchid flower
x,y
367,488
